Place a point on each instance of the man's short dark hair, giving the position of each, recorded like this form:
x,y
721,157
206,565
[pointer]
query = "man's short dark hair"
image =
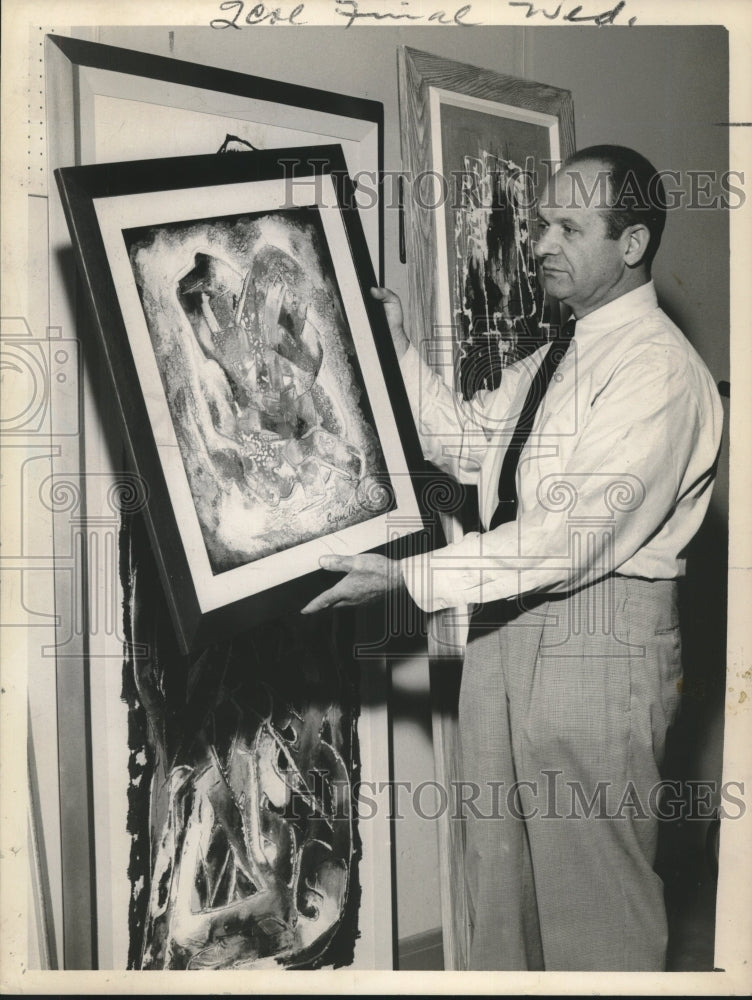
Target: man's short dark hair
x,y
636,192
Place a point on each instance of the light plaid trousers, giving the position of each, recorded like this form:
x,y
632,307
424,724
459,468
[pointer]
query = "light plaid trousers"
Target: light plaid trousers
x,y
572,691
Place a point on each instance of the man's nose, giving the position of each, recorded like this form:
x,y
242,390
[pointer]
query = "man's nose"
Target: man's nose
x,y
544,245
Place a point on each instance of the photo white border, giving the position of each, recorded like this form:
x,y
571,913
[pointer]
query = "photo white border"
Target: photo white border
x,y
735,883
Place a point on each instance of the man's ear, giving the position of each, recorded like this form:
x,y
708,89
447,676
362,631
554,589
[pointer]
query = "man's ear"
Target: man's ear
x,y
636,239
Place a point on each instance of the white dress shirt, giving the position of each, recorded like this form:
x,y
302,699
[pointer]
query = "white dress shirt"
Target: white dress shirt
x,y
616,474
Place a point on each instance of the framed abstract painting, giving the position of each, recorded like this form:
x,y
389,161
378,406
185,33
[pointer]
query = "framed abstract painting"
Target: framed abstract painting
x,y
479,147
255,375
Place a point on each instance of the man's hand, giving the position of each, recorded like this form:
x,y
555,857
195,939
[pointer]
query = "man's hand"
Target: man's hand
x,y
393,310
368,578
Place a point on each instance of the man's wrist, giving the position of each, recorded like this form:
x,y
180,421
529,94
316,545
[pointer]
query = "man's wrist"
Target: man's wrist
x,y
401,342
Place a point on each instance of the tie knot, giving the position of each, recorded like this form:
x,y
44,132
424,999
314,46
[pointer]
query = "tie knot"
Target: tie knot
x,y
567,331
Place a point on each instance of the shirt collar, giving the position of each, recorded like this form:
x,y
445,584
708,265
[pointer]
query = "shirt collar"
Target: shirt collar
x,y
626,309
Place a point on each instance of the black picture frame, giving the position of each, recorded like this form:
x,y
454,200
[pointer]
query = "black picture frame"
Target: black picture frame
x,y
88,191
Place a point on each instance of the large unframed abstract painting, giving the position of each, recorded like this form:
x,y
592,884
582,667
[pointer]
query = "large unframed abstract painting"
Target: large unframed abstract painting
x,y
245,849
272,416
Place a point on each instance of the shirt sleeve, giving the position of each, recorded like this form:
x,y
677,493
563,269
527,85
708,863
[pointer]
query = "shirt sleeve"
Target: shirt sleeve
x,y
639,454
453,432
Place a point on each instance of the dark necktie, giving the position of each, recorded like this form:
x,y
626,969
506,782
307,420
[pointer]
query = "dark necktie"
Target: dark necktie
x,y
507,508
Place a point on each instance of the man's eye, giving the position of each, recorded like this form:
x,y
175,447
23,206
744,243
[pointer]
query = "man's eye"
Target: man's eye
x,y
568,230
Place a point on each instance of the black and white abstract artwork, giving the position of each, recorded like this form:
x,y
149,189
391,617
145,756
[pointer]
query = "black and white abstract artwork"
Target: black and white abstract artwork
x,y
243,760
498,308
263,386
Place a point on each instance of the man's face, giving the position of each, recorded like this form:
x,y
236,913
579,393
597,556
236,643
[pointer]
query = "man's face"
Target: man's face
x,y
579,264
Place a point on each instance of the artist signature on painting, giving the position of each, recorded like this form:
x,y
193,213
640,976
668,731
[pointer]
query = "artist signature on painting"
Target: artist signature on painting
x,y
344,515
241,14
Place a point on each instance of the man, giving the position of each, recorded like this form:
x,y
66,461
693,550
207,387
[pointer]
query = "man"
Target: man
x,y
572,670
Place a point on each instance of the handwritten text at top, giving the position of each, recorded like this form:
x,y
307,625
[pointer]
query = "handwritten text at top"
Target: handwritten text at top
x,y
354,12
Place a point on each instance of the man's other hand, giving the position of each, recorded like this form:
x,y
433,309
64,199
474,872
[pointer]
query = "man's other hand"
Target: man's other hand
x,y
394,317
368,578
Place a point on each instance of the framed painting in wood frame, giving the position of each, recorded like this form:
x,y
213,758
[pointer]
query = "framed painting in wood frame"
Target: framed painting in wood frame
x,y
477,148
486,143
255,375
